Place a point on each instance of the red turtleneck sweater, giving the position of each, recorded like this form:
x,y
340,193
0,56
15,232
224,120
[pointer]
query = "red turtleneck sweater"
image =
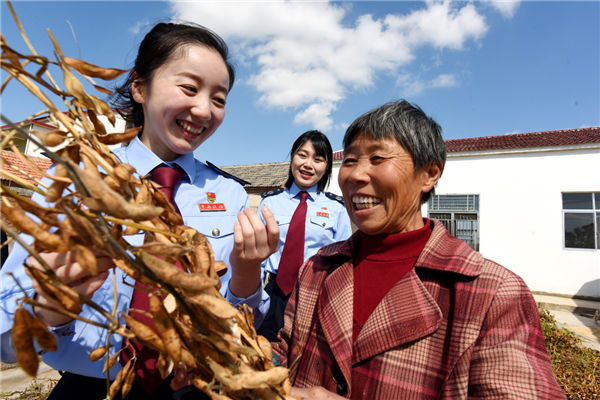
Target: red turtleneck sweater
x,y
381,262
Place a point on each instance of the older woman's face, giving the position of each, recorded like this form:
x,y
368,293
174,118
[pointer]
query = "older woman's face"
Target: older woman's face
x,y
381,188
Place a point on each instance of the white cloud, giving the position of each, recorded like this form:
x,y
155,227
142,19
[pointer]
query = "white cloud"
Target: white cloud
x,y
317,115
515,132
506,7
411,85
444,80
308,56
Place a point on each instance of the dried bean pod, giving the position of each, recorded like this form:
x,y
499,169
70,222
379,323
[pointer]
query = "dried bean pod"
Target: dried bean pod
x,y
166,329
144,334
116,138
265,346
64,295
163,249
217,306
172,275
22,338
165,365
111,362
98,353
128,382
86,259
118,382
46,240
124,172
42,335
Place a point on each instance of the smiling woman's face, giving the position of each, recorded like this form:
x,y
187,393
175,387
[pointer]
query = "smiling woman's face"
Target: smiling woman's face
x,y
307,167
381,188
184,103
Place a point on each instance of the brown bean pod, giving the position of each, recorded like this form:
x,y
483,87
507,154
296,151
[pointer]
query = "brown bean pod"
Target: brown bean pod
x,y
67,300
22,338
144,334
42,335
118,382
98,353
86,259
116,138
128,381
48,241
166,329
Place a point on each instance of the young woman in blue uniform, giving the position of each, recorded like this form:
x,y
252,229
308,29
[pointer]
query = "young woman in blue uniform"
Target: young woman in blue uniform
x,y
326,218
177,91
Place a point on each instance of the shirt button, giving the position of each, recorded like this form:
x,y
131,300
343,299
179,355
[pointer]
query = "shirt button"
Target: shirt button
x,y
277,222
323,223
216,232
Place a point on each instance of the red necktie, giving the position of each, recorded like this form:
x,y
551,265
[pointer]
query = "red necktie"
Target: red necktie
x,y
146,370
292,256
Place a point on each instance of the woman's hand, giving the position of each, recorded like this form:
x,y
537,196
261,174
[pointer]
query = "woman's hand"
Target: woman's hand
x,y
70,273
253,242
182,377
314,393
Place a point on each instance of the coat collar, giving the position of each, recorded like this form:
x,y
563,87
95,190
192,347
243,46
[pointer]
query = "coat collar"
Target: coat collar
x,y
408,312
294,190
442,252
145,160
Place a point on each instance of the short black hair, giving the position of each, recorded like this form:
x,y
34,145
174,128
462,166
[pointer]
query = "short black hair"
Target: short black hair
x,y
407,124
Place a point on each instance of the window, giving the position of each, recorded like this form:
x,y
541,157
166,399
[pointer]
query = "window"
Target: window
x,y
460,215
581,220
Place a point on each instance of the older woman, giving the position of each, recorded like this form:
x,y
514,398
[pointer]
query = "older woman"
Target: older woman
x,y
403,310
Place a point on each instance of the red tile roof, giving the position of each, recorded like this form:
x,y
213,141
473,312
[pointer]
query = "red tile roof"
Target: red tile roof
x,y
525,140
27,173
43,122
518,140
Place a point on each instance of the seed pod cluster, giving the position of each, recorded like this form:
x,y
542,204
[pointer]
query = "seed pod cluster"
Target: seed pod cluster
x,y
96,202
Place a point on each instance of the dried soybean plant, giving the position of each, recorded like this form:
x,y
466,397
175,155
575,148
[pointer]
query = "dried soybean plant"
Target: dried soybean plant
x,y
96,202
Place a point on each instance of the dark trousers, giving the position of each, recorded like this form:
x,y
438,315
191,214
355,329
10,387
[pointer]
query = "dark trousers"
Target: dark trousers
x,y
273,321
73,386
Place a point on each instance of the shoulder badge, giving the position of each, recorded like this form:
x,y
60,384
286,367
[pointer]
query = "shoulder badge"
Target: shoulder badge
x,y
228,175
335,197
271,192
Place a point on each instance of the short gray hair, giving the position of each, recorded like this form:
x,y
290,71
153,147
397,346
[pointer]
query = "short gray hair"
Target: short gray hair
x,y
407,124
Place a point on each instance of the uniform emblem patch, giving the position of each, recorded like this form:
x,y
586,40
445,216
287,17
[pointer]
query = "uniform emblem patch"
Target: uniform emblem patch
x,y
211,197
212,207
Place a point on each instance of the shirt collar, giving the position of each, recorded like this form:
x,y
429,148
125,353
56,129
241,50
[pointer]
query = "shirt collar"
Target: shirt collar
x,y
145,160
312,191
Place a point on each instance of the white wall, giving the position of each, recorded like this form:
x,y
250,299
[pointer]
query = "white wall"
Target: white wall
x,y
333,183
521,222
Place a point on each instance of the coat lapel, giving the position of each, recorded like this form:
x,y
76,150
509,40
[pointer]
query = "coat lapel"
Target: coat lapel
x,y
335,315
407,313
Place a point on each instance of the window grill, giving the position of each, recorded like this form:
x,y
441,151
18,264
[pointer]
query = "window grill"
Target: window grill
x,y
454,202
459,214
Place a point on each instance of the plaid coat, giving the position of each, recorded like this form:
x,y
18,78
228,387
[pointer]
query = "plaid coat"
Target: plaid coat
x,y
457,326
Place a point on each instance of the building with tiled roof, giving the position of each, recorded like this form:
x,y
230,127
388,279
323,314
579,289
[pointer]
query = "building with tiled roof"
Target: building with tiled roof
x,y
565,137
14,165
261,177
529,201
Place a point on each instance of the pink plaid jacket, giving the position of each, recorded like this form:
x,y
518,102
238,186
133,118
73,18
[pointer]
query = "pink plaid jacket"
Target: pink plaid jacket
x,y
457,326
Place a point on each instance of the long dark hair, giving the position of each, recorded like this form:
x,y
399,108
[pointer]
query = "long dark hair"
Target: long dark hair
x,y
322,149
159,46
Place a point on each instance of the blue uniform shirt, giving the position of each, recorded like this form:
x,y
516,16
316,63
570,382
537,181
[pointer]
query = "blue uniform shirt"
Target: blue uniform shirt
x,y
326,221
77,339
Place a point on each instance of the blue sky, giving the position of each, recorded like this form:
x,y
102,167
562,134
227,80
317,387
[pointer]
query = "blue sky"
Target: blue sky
x,y
479,68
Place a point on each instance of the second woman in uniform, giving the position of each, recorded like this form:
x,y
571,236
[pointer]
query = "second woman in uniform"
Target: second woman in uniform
x,y
308,218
